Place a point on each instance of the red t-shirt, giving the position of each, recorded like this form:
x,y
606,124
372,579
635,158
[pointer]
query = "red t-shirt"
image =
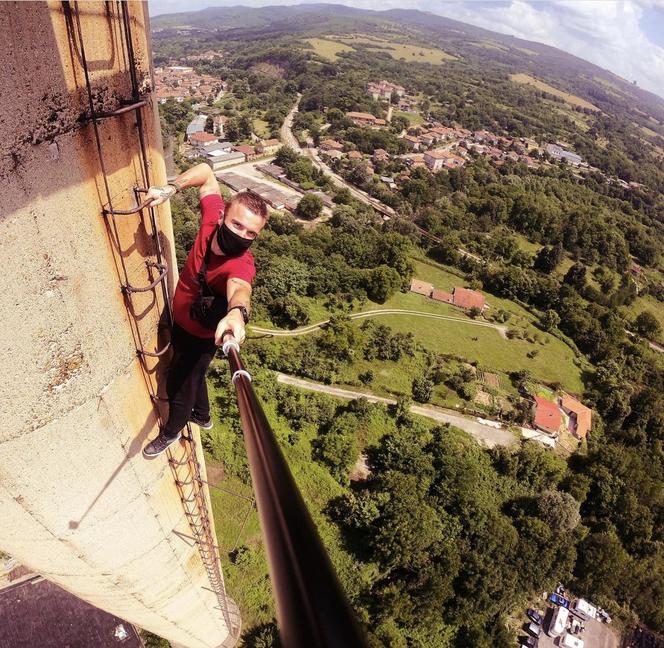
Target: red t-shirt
x,y
220,269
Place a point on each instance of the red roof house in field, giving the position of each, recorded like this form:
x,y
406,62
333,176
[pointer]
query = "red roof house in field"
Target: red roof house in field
x,y
466,298
421,287
442,296
547,415
580,416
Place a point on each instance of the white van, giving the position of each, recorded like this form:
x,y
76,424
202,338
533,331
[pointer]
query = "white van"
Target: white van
x,y
570,641
558,623
585,609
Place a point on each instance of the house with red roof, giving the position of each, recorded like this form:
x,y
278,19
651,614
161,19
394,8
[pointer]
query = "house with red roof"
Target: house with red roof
x,y
412,141
380,155
362,118
268,147
247,150
330,145
580,416
547,416
198,139
467,298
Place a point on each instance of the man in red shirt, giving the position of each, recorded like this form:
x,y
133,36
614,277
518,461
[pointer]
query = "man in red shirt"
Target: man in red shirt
x,y
212,296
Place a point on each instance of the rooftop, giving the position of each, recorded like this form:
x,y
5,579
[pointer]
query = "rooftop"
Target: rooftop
x,y
547,415
583,415
35,612
466,298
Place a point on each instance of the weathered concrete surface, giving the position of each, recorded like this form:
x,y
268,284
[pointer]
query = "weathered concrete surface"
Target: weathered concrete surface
x,y
79,503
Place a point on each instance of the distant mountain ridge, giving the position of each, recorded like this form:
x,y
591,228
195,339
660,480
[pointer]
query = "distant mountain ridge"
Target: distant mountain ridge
x,y
461,39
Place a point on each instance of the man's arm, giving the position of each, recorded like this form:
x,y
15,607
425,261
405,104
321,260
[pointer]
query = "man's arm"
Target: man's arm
x,y
238,293
200,176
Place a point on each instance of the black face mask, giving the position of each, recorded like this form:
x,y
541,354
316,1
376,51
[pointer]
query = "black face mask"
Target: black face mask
x,y
231,244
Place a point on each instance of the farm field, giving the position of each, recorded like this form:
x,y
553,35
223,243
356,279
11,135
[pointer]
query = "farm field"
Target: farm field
x,y
491,45
551,360
261,128
328,49
398,51
571,99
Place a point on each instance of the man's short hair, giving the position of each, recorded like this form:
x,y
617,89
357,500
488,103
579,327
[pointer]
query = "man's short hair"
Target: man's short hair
x,y
252,201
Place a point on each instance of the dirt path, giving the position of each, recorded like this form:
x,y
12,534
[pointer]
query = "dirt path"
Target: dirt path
x,y
488,434
502,330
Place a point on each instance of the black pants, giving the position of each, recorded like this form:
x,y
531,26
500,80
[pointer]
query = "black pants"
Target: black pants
x,y
185,385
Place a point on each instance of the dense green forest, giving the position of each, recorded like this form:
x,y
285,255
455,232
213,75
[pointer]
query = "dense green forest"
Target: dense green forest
x,y
447,537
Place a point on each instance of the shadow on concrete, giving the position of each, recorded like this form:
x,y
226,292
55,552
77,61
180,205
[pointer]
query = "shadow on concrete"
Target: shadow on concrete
x,y
134,448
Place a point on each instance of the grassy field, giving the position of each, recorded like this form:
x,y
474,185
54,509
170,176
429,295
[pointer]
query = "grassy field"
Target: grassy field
x,y
580,121
261,128
552,361
414,119
646,303
398,51
328,49
525,50
571,99
526,245
491,45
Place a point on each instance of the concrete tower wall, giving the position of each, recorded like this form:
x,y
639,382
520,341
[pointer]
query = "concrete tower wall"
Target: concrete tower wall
x,y
79,503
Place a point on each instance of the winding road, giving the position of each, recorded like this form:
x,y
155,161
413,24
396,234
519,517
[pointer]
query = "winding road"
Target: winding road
x,y
490,433
304,330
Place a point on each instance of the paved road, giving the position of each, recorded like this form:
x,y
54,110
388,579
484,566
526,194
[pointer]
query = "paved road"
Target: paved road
x,y
286,132
502,330
489,435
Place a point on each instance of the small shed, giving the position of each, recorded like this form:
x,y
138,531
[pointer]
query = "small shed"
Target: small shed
x,y
421,287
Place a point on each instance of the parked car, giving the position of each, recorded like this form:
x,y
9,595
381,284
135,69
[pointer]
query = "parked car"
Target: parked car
x,y
535,616
528,642
534,629
559,600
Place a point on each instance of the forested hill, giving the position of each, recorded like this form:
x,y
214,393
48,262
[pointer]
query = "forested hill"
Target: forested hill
x,y
607,91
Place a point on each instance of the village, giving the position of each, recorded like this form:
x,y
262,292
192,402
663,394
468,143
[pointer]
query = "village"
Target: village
x,y
432,145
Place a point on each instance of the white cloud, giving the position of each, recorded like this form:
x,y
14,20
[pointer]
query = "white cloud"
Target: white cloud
x,y
604,32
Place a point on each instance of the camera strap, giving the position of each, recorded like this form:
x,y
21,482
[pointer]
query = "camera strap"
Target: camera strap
x,y
203,285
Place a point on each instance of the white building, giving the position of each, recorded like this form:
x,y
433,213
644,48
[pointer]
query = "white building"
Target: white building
x,y
227,159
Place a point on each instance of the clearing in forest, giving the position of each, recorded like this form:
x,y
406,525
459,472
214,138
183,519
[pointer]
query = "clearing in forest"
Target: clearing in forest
x,y
328,49
398,51
571,99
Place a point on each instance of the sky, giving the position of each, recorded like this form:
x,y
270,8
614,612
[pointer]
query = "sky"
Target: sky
x,y
623,36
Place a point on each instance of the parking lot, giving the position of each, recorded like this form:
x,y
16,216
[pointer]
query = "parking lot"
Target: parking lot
x,y
596,634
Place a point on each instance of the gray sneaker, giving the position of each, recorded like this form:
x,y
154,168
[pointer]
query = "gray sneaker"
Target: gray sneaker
x,y
202,423
160,444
